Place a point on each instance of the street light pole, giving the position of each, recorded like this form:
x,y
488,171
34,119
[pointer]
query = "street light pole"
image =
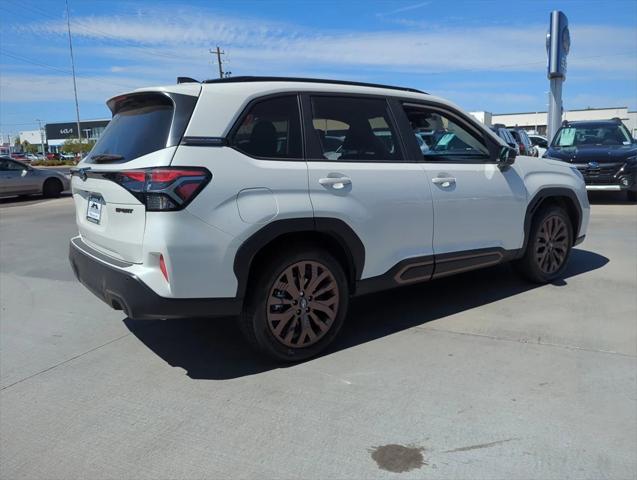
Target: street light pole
x,y
41,137
77,105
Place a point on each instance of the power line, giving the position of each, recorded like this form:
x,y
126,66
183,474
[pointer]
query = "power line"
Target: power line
x,y
57,69
33,62
130,43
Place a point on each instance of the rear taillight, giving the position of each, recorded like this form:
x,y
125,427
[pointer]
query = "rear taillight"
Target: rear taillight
x,y
165,188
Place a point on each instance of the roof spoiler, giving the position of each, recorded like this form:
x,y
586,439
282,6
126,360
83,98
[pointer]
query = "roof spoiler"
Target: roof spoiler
x,y
186,80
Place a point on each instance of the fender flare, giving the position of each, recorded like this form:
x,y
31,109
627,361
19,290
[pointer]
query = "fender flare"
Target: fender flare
x,y
536,201
336,229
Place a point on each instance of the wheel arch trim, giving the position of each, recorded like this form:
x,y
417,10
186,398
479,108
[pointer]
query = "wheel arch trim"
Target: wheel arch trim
x,y
540,197
336,229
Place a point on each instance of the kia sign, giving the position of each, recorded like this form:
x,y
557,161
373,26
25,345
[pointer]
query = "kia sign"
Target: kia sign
x,y
558,43
63,131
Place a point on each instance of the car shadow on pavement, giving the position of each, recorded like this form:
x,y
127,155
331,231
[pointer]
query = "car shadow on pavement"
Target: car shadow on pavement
x,y
23,200
609,198
213,349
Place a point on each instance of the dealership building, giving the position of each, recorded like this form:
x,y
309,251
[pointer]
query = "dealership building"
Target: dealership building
x,y
58,133
536,121
55,134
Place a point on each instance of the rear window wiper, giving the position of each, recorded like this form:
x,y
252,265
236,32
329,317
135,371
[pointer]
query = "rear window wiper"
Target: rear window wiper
x,y
106,157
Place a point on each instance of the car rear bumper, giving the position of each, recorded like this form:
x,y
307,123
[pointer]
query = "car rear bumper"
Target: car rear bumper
x,y
122,290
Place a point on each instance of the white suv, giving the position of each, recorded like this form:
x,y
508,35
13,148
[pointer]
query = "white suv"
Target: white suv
x,y
276,199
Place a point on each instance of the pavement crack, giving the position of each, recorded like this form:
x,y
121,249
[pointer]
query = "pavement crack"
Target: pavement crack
x,y
64,362
544,344
480,445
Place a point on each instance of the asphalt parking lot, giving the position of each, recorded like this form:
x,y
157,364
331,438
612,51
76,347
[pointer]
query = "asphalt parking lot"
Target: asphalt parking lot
x,y
476,376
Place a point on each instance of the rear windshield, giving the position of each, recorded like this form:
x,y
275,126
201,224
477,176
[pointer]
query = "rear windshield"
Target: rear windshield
x,y
592,134
140,125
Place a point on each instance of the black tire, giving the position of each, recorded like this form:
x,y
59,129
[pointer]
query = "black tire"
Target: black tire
x,y
539,265
631,195
52,188
256,319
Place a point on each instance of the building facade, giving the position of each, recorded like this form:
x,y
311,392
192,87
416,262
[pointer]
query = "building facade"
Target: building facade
x,y
58,133
536,121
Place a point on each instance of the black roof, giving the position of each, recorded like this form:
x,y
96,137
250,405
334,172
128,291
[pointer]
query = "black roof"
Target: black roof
x,y
307,80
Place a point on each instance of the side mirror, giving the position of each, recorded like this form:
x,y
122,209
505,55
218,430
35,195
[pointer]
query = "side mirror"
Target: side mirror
x,y
506,157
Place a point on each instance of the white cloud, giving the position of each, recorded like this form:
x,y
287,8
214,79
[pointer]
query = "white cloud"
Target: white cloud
x,y
406,8
155,48
481,48
47,88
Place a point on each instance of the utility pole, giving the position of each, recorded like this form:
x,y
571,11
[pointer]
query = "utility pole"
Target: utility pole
x,y
41,137
218,52
77,105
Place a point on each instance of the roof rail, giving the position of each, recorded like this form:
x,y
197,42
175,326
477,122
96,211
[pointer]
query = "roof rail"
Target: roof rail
x,y
308,80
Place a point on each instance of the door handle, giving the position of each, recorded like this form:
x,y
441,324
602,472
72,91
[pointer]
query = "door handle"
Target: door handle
x,y
335,182
444,182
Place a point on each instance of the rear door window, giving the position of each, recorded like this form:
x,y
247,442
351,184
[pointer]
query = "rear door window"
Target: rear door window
x,y
354,129
271,129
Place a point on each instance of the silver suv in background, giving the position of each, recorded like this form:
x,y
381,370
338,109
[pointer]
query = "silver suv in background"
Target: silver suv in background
x,y
503,132
523,141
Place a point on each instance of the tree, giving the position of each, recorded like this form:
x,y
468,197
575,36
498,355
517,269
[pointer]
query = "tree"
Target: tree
x,y
29,148
75,147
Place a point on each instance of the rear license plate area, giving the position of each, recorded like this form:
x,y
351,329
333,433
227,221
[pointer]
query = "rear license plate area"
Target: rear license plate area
x,y
94,209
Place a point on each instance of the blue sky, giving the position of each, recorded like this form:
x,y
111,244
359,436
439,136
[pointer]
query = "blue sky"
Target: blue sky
x,y
483,55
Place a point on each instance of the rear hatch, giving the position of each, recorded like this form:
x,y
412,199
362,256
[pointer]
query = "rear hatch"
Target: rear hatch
x,y
109,185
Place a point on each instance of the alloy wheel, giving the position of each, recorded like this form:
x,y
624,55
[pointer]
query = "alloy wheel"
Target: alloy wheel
x,y
302,304
551,245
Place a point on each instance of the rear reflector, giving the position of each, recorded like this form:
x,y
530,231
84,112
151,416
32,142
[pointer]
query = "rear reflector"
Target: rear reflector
x,y
165,188
162,267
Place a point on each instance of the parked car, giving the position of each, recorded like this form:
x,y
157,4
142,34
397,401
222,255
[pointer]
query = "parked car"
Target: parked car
x,y
503,132
540,143
18,178
32,157
232,208
603,151
523,141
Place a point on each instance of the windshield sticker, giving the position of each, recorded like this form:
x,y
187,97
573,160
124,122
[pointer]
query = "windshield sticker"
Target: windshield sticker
x,y
567,137
446,138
